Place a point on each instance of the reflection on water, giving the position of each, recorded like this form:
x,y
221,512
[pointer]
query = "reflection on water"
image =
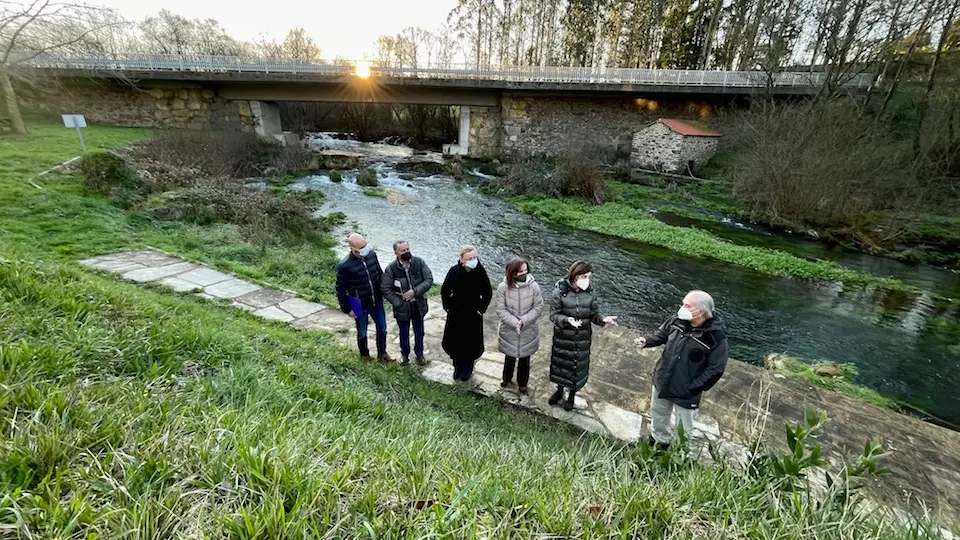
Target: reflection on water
x,y
902,345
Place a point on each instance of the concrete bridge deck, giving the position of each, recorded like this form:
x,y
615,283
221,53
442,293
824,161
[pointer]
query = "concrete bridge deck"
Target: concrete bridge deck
x,y
514,78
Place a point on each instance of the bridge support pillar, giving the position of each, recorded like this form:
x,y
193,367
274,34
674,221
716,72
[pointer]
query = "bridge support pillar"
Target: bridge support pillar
x,y
266,117
462,148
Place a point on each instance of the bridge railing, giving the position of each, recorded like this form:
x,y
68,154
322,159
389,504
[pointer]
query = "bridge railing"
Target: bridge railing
x,y
554,74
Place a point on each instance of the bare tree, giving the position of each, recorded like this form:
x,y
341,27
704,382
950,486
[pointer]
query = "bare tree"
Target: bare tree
x,y
29,30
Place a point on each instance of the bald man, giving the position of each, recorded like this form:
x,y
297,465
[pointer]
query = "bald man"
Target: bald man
x,y
359,294
694,357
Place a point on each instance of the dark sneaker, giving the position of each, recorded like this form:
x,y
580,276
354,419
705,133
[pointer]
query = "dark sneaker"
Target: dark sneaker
x,y
568,405
404,360
366,358
421,361
505,384
385,358
522,389
556,397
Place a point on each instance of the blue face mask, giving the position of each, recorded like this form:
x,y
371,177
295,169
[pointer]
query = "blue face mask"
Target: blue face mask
x,y
472,263
364,251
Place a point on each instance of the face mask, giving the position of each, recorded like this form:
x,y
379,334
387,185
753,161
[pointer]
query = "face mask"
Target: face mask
x,y
522,278
684,314
472,263
406,256
364,251
583,283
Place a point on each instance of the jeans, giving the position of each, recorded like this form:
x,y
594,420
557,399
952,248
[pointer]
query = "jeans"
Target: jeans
x,y
660,426
523,370
404,327
380,320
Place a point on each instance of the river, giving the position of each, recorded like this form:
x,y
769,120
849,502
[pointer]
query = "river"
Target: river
x,y
903,345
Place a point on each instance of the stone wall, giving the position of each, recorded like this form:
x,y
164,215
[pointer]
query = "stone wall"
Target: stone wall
x,y
698,150
486,132
554,125
656,147
660,148
115,104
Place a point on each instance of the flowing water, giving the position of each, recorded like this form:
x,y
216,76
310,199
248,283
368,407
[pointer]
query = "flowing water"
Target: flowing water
x,y
903,345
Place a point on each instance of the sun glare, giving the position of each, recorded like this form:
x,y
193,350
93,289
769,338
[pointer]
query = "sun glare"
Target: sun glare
x,y
362,70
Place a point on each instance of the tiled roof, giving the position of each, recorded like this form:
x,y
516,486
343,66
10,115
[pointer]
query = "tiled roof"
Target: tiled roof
x,y
689,128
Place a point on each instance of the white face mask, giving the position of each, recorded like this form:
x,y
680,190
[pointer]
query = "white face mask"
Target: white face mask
x,y
583,283
684,314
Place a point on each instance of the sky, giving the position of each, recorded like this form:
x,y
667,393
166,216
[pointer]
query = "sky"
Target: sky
x,y
345,28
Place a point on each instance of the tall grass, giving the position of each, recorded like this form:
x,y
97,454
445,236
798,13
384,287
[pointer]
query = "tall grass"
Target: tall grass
x,y
129,412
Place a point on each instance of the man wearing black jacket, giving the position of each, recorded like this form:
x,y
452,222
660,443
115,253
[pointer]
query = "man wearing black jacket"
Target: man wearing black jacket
x,y
405,284
693,360
358,288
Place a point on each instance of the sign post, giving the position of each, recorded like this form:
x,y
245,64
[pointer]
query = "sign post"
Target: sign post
x,y
76,121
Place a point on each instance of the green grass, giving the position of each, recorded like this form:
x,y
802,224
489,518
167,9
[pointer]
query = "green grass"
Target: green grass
x,y
843,384
223,426
618,219
67,220
133,412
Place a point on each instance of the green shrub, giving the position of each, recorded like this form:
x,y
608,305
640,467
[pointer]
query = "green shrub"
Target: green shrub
x,y
375,192
368,178
108,171
336,177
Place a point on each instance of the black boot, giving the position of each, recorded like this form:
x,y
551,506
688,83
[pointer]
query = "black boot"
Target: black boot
x,y
364,348
556,397
568,404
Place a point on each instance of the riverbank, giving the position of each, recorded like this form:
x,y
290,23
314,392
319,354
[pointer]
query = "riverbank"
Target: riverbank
x,y
223,422
625,221
925,238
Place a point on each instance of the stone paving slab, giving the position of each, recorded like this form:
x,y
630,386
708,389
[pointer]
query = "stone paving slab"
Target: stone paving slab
x,y
178,284
204,276
144,275
299,308
274,313
262,298
231,288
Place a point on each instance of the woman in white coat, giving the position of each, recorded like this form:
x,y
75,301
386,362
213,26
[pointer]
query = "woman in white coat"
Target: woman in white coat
x,y
519,302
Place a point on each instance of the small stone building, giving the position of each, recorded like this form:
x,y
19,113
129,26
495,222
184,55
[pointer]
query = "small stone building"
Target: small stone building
x,y
672,145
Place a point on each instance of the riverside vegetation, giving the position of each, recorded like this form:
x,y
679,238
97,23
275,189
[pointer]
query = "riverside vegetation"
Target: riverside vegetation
x,y
225,426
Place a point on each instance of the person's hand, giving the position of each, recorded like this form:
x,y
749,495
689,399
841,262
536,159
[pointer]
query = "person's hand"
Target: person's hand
x,y
574,322
611,320
409,295
352,314
519,325
641,342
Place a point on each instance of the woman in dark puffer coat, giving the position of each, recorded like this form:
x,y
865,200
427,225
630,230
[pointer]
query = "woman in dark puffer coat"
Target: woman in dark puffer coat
x,y
573,308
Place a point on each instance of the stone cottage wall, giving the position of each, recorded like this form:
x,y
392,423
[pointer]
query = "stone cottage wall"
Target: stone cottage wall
x,y
699,150
657,147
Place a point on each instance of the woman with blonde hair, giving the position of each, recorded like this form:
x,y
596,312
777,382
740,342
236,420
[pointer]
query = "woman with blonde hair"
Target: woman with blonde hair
x,y
466,294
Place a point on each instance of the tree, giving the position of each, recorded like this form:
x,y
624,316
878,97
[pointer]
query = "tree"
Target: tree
x,y
296,46
28,31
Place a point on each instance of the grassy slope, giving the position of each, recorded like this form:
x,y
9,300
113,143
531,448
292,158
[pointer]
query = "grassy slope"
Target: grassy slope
x,y
128,411
623,220
63,217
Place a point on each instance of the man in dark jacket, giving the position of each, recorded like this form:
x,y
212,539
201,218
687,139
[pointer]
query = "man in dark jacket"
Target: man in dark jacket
x,y
405,284
693,360
359,295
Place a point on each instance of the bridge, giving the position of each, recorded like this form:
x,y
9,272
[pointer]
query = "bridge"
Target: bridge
x,y
494,102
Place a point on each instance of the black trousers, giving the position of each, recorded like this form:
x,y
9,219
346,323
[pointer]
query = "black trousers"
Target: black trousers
x,y
523,370
463,368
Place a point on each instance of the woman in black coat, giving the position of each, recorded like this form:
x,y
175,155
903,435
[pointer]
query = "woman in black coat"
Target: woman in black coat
x,y
466,294
573,308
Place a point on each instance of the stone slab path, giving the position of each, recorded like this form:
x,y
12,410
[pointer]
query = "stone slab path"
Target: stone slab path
x,y
924,459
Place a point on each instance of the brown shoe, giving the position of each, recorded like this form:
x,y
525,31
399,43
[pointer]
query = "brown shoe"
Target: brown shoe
x,y
366,358
385,358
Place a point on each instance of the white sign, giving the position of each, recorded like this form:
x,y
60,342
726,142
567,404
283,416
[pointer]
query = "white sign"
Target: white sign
x,y
74,120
